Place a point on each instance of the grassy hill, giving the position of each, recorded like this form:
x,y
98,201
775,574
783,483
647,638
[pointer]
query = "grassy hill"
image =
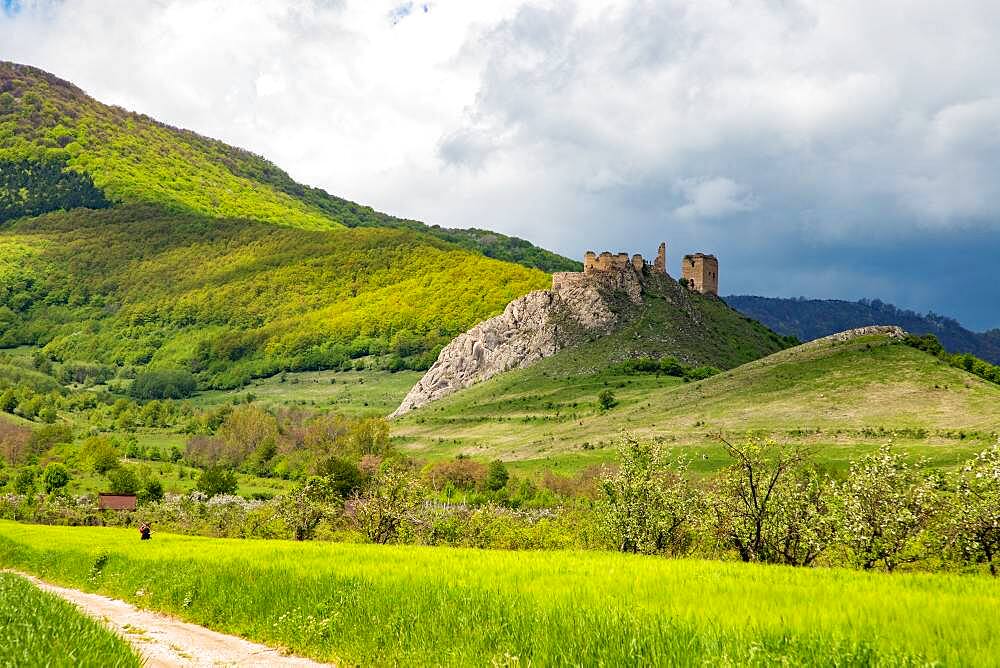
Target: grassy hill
x,y
128,242
810,319
839,399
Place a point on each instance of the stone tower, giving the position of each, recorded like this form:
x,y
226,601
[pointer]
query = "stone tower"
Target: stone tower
x,y
702,273
660,265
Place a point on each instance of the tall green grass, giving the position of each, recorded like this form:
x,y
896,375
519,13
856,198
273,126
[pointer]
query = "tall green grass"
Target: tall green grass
x,y
376,605
39,629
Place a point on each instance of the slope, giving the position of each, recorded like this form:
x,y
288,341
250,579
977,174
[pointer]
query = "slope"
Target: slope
x,y
604,315
810,319
61,149
231,300
839,397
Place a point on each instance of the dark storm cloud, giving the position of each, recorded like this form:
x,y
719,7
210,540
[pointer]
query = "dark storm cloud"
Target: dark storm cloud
x,y
821,148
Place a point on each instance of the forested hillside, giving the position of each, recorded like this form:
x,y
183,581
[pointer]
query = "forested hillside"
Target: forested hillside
x,y
128,243
61,149
231,300
809,319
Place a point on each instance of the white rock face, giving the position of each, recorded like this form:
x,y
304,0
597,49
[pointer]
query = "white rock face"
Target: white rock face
x,y
532,327
892,331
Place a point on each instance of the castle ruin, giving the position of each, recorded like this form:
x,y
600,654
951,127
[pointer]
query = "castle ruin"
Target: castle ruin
x,y
701,272
593,263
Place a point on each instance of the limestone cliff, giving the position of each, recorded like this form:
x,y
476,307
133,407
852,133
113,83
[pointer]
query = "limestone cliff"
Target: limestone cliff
x,y
579,306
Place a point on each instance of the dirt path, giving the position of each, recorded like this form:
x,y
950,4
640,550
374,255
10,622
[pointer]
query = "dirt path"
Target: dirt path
x,y
164,641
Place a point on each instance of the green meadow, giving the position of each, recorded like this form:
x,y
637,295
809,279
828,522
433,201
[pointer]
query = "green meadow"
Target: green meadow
x,y
840,400
39,629
397,605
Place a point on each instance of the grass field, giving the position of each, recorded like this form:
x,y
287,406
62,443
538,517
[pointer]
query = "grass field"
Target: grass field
x,y
354,393
39,629
839,400
376,605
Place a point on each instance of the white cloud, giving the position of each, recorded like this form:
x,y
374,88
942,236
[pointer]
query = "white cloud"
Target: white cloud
x,y
719,125
712,198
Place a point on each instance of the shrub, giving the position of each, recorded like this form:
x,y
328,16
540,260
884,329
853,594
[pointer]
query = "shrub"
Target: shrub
x,y
215,480
55,477
123,480
607,400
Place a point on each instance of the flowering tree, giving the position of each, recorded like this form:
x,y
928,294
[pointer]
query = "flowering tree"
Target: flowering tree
x,y
886,504
977,510
391,497
770,507
651,503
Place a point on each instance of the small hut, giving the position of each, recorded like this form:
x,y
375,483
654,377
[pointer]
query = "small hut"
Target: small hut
x,y
117,501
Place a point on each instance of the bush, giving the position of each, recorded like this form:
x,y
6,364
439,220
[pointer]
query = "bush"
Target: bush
x,y
55,477
496,476
163,384
607,400
123,480
215,480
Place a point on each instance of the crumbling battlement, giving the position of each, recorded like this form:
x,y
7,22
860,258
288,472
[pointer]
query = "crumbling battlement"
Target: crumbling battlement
x,y
593,263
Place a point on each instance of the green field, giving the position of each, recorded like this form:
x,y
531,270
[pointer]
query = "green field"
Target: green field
x,y
841,400
375,605
354,393
39,629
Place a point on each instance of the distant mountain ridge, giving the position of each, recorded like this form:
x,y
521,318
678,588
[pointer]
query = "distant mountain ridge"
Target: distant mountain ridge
x,y
810,319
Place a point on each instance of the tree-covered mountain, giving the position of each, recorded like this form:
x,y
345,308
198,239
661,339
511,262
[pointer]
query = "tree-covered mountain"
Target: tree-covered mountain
x,y
809,319
127,242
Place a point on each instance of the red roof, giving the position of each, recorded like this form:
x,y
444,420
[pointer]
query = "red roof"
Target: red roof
x,y
116,501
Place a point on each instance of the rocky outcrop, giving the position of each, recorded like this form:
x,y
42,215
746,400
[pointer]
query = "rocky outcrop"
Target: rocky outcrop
x,y
892,331
532,327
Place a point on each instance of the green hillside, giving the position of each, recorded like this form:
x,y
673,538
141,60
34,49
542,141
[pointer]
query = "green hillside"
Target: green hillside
x,y
127,242
230,300
61,149
838,398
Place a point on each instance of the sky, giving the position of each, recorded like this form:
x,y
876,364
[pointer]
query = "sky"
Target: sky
x,y
823,149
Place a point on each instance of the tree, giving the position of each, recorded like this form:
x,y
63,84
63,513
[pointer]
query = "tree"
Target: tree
x,y
886,505
343,477
101,452
651,504
24,481
55,477
163,384
150,490
755,501
248,435
123,480
607,400
496,476
215,480
390,499
976,513
307,505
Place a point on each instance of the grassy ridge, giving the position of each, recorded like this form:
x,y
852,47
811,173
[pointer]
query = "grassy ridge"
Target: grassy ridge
x,y
840,399
39,629
420,606
235,299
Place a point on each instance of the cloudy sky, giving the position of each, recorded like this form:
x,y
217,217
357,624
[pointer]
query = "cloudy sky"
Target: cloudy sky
x,y
826,149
